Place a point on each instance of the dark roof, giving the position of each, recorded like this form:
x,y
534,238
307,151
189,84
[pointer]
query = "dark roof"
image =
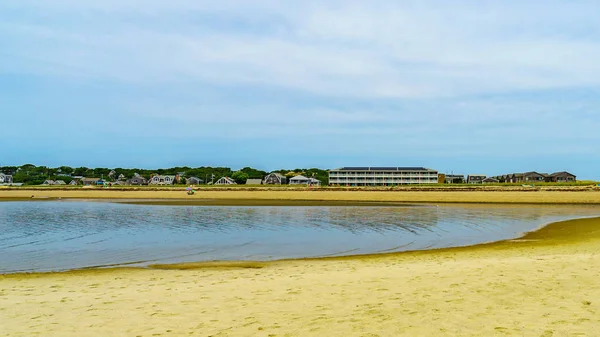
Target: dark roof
x,y
561,173
364,168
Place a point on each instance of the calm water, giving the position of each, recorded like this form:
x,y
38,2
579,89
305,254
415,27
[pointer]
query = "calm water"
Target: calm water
x,y
44,236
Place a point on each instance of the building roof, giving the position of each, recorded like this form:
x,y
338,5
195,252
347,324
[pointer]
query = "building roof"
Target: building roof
x,y
561,173
276,174
365,168
253,181
299,177
225,181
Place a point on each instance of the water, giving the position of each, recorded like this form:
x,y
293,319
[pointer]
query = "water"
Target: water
x,y
48,236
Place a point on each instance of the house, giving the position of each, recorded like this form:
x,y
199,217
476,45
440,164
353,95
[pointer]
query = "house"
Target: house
x,y
253,181
533,177
121,177
90,181
490,180
475,178
48,182
562,177
275,179
225,181
162,180
454,179
382,176
137,180
59,182
5,179
75,182
302,180
111,173
194,181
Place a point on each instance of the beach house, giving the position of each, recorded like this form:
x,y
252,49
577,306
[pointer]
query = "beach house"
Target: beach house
x,y
562,177
475,178
162,180
275,179
302,180
225,181
5,179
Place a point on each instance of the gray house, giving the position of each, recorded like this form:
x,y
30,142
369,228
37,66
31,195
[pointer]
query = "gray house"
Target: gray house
x,y
562,177
252,181
533,177
275,179
90,181
454,179
490,180
162,180
194,181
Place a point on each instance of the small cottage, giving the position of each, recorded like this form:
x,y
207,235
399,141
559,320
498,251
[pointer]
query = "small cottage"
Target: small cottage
x,y
194,181
475,178
275,179
302,180
225,181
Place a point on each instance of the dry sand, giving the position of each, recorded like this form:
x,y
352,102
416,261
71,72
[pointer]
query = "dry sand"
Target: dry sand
x,y
588,196
546,284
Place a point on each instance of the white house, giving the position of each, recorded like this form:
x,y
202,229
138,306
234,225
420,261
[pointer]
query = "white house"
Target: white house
x,y
162,180
5,179
302,180
225,181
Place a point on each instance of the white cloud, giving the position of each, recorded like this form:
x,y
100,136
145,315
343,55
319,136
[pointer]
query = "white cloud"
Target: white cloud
x,y
340,49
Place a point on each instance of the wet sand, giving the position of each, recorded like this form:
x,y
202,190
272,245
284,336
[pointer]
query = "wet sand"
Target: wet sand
x,y
544,284
282,197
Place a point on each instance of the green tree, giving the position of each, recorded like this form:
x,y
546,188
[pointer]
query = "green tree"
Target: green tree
x,y
239,177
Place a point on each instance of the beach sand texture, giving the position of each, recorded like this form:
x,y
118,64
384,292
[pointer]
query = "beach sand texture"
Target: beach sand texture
x,y
233,196
546,284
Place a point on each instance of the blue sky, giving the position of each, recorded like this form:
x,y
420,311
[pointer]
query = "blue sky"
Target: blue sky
x,y
464,86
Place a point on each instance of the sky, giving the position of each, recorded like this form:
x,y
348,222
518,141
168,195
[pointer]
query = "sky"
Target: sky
x,y
467,87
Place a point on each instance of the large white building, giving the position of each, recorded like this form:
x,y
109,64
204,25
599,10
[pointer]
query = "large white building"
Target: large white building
x,y
382,176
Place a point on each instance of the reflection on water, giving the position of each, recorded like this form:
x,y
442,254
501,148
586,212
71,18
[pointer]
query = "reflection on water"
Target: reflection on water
x,y
42,236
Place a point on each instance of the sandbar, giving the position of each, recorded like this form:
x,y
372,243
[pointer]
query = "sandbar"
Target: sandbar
x,y
542,284
280,197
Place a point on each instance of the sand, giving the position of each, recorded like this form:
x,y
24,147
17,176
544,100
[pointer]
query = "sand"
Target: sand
x,y
545,284
586,196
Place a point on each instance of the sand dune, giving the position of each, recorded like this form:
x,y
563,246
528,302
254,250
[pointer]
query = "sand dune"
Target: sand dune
x,y
543,285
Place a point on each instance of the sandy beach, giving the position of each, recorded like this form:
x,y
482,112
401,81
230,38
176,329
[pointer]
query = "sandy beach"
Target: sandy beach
x,y
276,197
544,284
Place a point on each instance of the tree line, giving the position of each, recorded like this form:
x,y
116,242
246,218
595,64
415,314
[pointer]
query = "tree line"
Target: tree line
x,y
30,174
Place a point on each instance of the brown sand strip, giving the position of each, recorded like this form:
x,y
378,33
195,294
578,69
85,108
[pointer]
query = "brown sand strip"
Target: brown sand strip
x,y
282,196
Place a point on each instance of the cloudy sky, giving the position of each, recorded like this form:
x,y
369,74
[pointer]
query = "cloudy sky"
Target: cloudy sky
x,y
459,86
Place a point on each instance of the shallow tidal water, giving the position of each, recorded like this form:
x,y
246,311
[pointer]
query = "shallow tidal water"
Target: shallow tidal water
x,y
63,235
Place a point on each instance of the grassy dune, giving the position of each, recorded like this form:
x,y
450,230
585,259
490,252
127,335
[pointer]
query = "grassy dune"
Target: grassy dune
x,y
543,284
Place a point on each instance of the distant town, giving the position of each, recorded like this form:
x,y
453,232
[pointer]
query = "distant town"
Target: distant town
x,y
29,174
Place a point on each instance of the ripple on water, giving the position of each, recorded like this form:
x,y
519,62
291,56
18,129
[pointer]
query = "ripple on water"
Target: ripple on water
x,y
43,236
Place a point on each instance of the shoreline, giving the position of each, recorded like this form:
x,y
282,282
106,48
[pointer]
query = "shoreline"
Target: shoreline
x,y
543,284
284,197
